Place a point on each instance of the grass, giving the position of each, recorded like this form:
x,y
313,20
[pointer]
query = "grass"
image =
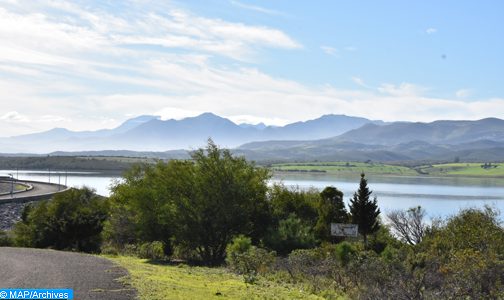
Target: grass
x,y
465,170
121,159
164,281
345,168
6,187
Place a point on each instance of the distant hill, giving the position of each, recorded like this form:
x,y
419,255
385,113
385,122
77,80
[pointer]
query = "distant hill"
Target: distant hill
x,y
481,140
330,137
438,132
149,133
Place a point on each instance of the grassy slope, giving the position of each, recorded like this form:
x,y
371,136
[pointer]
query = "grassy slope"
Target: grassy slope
x,y
342,168
155,281
465,169
6,187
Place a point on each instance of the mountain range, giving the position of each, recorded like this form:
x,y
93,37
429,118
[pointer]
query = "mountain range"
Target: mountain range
x,y
150,133
481,140
330,137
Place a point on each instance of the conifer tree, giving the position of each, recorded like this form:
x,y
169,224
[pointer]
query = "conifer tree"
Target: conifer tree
x,y
364,211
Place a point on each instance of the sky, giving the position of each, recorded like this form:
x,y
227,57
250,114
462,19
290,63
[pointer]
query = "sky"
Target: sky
x,y
87,65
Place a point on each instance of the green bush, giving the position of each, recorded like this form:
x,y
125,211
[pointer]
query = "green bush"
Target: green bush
x,y
72,220
185,253
152,250
291,234
130,250
248,260
5,240
345,252
239,245
109,249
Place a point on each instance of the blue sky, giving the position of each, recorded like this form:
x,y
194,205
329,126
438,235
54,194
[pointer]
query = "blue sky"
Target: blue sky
x,y
86,65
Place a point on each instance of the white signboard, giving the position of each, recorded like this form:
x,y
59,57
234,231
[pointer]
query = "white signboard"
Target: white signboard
x,y
338,229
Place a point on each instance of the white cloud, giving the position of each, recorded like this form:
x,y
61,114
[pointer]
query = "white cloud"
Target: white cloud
x,y
85,69
463,93
256,8
329,50
402,90
248,119
359,81
167,113
14,116
49,39
431,30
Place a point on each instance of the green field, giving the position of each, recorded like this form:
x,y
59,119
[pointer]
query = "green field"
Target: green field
x,y
120,159
165,281
345,168
464,169
492,170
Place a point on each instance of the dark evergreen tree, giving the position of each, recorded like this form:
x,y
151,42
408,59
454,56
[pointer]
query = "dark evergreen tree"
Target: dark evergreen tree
x,y
331,209
364,211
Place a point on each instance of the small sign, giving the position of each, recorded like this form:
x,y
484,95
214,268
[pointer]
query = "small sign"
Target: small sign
x,y
338,229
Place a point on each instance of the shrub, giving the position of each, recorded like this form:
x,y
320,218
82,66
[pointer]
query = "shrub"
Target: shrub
x,y
109,249
72,220
248,260
152,250
240,244
345,252
185,253
130,250
291,234
5,240
309,262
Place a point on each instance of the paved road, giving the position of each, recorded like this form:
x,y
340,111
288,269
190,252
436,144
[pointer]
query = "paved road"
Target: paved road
x,y
38,189
89,276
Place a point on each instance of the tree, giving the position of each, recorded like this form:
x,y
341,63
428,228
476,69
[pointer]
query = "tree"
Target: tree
x,y
142,204
331,209
364,212
467,250
285,201
223,196
72,220
199,204
408,225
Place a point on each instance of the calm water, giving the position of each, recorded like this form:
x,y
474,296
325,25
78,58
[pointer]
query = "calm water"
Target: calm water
x,y
439,196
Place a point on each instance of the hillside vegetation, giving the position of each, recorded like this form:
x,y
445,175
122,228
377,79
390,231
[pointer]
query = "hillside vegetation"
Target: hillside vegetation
x,y
96,163
464,169
345,168
158,281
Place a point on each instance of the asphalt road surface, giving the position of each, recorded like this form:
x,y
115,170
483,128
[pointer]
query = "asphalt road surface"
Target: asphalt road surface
x,y
38,189
89,276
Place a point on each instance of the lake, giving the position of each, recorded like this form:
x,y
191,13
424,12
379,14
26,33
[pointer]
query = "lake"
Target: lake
x,y
440,197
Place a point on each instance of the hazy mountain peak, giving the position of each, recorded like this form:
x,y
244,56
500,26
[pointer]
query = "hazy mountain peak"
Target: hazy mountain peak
x,y
134,122
259,126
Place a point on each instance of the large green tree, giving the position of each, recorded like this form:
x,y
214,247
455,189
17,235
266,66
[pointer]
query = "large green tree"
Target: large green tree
x,y
364,211
199,204
226,197
142,204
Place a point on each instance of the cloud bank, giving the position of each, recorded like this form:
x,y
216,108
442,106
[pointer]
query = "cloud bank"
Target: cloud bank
x,y
86,67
